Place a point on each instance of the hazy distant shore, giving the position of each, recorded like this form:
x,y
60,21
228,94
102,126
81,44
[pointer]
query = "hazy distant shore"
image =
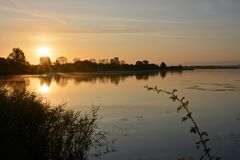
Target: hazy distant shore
x,y
215,67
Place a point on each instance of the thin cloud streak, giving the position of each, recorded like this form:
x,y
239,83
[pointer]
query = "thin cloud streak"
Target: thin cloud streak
x,y
23,9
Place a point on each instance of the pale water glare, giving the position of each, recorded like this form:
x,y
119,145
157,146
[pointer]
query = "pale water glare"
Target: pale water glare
x,y
145,124
44,89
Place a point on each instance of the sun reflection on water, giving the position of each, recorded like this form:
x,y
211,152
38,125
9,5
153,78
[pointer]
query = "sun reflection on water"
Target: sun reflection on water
x,y
44,89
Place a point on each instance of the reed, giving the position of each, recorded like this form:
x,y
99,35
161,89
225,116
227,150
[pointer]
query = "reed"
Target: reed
x,y
31,128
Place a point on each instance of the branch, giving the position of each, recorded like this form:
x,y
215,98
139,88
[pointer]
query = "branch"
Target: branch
x,y
183,105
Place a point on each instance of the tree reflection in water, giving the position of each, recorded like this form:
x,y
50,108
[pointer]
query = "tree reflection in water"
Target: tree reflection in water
x,y
16,83
21,82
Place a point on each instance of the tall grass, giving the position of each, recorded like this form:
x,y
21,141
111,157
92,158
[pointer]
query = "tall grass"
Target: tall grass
x,y
33,129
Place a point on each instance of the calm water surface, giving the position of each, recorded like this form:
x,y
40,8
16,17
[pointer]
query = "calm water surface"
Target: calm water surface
x,y
145,124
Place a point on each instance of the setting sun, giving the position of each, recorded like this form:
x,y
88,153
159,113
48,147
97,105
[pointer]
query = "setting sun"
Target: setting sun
x,y
43,51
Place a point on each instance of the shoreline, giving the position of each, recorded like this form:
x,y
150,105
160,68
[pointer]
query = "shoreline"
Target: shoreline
x,y
107,72
128,72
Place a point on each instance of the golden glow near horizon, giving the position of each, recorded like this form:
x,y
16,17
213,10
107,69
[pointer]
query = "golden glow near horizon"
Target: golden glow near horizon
x,y
44,89
43,51
176,32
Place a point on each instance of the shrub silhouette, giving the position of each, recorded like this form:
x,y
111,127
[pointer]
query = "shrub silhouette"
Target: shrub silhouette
x,y
32,129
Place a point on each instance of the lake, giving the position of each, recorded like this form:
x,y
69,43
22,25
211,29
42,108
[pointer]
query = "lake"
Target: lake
x,y
145,125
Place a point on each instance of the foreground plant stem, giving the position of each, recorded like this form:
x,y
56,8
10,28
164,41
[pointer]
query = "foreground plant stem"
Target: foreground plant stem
x,y
203,136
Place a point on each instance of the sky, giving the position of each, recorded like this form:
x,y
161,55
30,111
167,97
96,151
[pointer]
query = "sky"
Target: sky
x,y
174,31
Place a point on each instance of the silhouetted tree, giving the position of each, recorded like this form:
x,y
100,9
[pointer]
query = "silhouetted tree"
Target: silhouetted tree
x,y
180,67
17,57
45,65
76,60
93,60
61,60
103,61
16,64
139,63
145,61
122,62
115,61
45,61
3,61
163,65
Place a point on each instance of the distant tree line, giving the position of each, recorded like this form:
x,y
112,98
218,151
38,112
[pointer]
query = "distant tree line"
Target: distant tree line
x,y
16,63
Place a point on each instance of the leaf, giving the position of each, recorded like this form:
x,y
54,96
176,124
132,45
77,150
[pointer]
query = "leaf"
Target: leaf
x,y
198,142
204,134
206,140
193,130
198,146
179,109
182,99
189,114
207,150
202,157
184,119
173,98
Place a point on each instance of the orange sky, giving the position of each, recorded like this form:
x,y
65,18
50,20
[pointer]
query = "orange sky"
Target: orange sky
x,y
190,32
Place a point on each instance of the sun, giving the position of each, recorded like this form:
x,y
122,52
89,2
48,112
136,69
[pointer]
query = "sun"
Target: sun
x,y
43,51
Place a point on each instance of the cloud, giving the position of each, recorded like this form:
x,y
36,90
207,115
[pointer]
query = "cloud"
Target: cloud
x,y
18,7
92,18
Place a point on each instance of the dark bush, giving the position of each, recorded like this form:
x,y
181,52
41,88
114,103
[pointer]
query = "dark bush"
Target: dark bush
x,y
32,129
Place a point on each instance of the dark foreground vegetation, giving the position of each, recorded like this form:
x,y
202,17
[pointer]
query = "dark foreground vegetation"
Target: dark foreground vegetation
x,y
31,129
16,63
